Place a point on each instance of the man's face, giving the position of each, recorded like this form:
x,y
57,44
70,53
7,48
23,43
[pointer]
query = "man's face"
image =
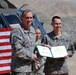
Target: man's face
x,y
27,19
57,24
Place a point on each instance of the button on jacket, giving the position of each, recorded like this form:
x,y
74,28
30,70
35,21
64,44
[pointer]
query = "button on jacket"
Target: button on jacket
x,y
23,44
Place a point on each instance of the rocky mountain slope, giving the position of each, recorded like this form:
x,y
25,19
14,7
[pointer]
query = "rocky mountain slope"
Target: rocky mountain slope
x,y
46,9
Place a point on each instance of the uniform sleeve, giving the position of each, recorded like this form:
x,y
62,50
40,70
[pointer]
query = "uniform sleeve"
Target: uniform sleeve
x,y
19,50
44,39
71,48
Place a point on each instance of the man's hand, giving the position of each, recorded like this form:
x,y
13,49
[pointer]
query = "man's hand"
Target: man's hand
x,y
36,68
47,45
37,58
66,56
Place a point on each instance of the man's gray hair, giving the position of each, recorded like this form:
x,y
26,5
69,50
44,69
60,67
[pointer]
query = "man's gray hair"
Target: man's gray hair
x,y
26,11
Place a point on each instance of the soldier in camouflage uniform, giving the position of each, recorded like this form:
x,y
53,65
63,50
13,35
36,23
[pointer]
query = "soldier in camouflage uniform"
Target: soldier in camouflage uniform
x,y
39,65
23,44
57,66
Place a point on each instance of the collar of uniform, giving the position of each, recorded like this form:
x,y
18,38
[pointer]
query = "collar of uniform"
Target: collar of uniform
x,y
57,36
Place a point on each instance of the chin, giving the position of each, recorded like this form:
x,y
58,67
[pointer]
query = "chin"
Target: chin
x,y
28,24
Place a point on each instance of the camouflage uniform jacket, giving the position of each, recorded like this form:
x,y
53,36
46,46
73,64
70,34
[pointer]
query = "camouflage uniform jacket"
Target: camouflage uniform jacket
x,y
58,65
41,62
23,44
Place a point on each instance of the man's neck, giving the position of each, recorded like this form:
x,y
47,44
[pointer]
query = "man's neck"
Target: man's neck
x,y
26,28
57,32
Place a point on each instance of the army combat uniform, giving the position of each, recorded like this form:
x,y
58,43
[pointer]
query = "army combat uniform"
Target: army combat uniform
x,y
40,63
58,65
23,44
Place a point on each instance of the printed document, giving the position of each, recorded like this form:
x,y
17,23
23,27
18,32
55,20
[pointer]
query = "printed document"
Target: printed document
x,y
54,52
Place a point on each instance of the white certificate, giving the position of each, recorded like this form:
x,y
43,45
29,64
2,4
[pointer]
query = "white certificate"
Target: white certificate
x,y
59,51
54,52
44,51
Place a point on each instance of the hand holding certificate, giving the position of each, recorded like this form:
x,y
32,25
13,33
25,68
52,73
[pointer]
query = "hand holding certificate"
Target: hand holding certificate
x,y
44,51
59,51
54,52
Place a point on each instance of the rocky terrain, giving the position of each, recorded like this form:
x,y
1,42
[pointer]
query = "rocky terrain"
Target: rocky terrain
x,y
46,9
